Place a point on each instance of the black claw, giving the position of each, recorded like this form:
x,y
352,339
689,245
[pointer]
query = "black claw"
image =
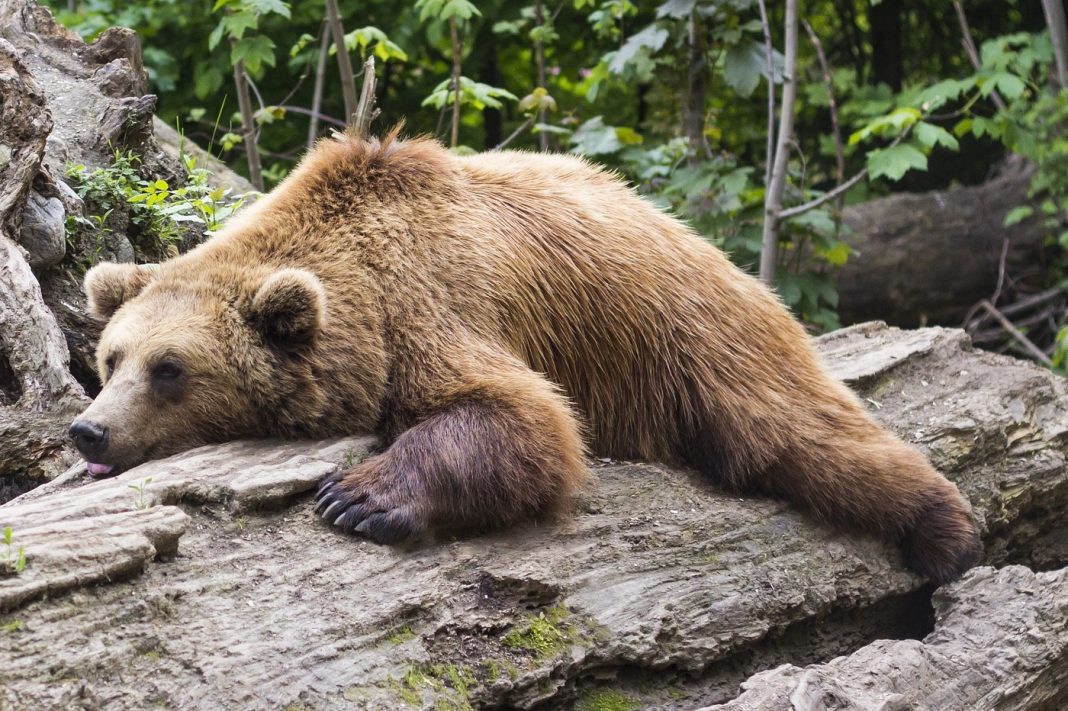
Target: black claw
x,y
386,528
323,489
334,505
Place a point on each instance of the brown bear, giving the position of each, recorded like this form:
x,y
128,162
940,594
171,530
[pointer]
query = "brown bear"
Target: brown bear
x,y
486,316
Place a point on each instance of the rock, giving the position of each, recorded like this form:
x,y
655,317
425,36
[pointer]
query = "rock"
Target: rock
x,y
128,123
1000,641
123,73
659,591
30,338
117,78
42,233
52,86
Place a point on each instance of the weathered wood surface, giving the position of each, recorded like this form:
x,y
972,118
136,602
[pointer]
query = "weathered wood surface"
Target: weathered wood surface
x,y
660,590
1000,642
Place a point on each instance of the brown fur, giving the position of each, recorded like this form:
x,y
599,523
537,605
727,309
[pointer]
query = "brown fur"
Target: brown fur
x,y
473,311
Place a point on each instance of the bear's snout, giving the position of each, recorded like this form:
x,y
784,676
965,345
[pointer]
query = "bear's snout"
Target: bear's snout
x,y
90,438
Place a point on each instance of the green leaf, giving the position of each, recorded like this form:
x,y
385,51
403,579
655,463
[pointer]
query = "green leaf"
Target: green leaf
x,y
676,9
931,135
1008,85
300,44
216,35
236,23
207,80
743,66
628,136
595,138
254,52
895,161
648,41
1017,215
266,7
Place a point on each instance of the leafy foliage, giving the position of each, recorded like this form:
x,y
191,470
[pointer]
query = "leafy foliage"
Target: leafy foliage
x,y
160,214
617,74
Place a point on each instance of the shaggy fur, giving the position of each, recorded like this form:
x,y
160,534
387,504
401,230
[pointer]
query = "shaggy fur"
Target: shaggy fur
x,y
473,312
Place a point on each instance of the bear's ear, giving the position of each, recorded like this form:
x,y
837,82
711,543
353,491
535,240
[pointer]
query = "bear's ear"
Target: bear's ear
x,y
289,308
108,286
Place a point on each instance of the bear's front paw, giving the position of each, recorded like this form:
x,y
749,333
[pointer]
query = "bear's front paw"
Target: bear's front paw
x,y
373,501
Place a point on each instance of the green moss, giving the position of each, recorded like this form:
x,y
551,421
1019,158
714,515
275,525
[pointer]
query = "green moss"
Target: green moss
x,y
545,635
449,684
11,626
401,636
605,700
406,690
493,670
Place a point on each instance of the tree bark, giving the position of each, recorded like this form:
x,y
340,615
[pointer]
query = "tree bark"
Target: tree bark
x,y
344,63
769,254
697,77
252,150
929,257
657,588
454,39
317,92
1058,33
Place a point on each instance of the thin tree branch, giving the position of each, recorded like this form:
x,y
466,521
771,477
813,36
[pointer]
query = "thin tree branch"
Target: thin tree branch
x,y
773,198
769,50
1023,340
839,145
317,92
320,116
837,190
365,110
515,134
344,62
454,38
970,49
539,60
248,124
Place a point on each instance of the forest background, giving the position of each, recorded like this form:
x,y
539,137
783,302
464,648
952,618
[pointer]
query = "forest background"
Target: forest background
x,y
759,124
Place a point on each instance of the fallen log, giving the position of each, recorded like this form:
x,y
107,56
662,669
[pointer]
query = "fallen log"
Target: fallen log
x,y
659,591
927,258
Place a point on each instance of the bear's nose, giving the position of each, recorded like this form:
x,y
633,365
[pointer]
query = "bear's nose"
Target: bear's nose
x,y
90,438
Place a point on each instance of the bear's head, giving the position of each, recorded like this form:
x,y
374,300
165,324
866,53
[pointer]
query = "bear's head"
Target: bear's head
x,y
191,358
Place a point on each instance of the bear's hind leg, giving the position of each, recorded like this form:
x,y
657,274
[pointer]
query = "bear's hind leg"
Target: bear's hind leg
x,y
868,479
499,447
840,465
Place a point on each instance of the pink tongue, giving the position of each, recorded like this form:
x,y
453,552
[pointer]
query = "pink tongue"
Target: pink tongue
x,y
98,469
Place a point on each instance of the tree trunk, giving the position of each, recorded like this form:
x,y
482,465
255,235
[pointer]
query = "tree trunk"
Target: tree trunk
x,y
929,257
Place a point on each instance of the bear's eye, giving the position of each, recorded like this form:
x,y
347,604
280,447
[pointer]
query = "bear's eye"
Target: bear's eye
x,y
167,370
109,365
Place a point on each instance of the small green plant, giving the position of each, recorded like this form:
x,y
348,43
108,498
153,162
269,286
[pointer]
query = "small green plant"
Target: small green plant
x,y
14,558
159,213
140,502
605,700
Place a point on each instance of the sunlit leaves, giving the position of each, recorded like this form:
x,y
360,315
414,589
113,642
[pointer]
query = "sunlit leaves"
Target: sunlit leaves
x,y
894,161
445,10
372,39
472,93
